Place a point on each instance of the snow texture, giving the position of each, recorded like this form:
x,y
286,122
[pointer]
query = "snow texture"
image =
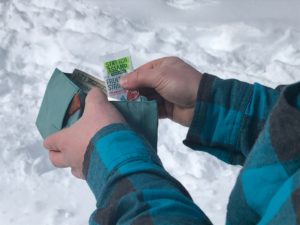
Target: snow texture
x,y
254,41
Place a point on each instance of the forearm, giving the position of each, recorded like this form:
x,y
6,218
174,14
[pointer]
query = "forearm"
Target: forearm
x,y
268,187
130,184
228,116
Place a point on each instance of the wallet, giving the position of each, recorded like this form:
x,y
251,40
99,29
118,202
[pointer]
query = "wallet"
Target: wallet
x,y
63,105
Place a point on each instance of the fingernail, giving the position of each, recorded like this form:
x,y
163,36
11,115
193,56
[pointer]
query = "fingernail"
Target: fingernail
x,y
123,81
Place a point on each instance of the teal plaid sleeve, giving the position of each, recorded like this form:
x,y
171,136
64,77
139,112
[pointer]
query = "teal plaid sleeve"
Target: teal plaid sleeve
x,y
131,185
267,190
248,124
228,117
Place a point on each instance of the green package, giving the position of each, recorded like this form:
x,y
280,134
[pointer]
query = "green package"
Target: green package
x,y
115,66
64,87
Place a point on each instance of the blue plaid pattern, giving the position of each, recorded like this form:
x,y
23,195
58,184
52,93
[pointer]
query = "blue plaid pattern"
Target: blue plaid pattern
x,y
240,123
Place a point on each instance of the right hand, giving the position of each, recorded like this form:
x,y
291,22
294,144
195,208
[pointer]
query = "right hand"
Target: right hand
x,y
170,81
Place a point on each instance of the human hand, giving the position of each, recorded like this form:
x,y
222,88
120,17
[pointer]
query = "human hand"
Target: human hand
x,y
68,146
170,81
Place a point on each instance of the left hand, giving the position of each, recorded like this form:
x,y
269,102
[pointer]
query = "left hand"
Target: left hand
x,y
171,82
68,146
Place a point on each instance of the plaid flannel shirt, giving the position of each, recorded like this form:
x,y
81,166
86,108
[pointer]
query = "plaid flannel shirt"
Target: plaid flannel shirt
x,y
240,123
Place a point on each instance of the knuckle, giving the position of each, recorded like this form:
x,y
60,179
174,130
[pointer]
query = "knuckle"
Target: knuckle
x,y
137,76
90,95
63,144
56,164
46,144
76,173
54,161
174,59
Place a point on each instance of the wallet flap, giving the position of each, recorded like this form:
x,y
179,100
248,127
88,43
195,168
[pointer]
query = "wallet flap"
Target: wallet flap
x,y
142,117
58,95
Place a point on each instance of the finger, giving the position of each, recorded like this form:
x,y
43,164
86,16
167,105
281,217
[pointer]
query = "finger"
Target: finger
x,y
162,105
152,64
54,142
95,95
165,109
150,93
162,114
77,173
144,76
57,159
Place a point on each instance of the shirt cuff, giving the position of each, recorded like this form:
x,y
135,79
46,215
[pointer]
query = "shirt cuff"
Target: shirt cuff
x,y
218,115
109,150
285,124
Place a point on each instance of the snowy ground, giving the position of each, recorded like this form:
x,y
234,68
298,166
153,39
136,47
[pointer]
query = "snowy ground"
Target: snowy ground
x,y
254,41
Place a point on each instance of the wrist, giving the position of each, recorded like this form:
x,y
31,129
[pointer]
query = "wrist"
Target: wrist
x,y
188,113
112,148
196,88
106,130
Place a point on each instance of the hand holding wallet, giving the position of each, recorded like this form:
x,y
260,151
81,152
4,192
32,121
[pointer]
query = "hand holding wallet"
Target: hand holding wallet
x,y
64,99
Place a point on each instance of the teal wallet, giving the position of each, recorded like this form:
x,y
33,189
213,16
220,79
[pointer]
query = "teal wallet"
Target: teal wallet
x,y
63,105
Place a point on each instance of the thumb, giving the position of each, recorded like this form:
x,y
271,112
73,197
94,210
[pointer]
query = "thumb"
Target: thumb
x,y
54,142
95,95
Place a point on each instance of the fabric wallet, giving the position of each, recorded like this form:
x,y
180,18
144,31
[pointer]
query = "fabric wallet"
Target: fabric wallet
x,y
63,105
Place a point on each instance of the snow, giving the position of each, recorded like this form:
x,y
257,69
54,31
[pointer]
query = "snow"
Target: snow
x,y
254,41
